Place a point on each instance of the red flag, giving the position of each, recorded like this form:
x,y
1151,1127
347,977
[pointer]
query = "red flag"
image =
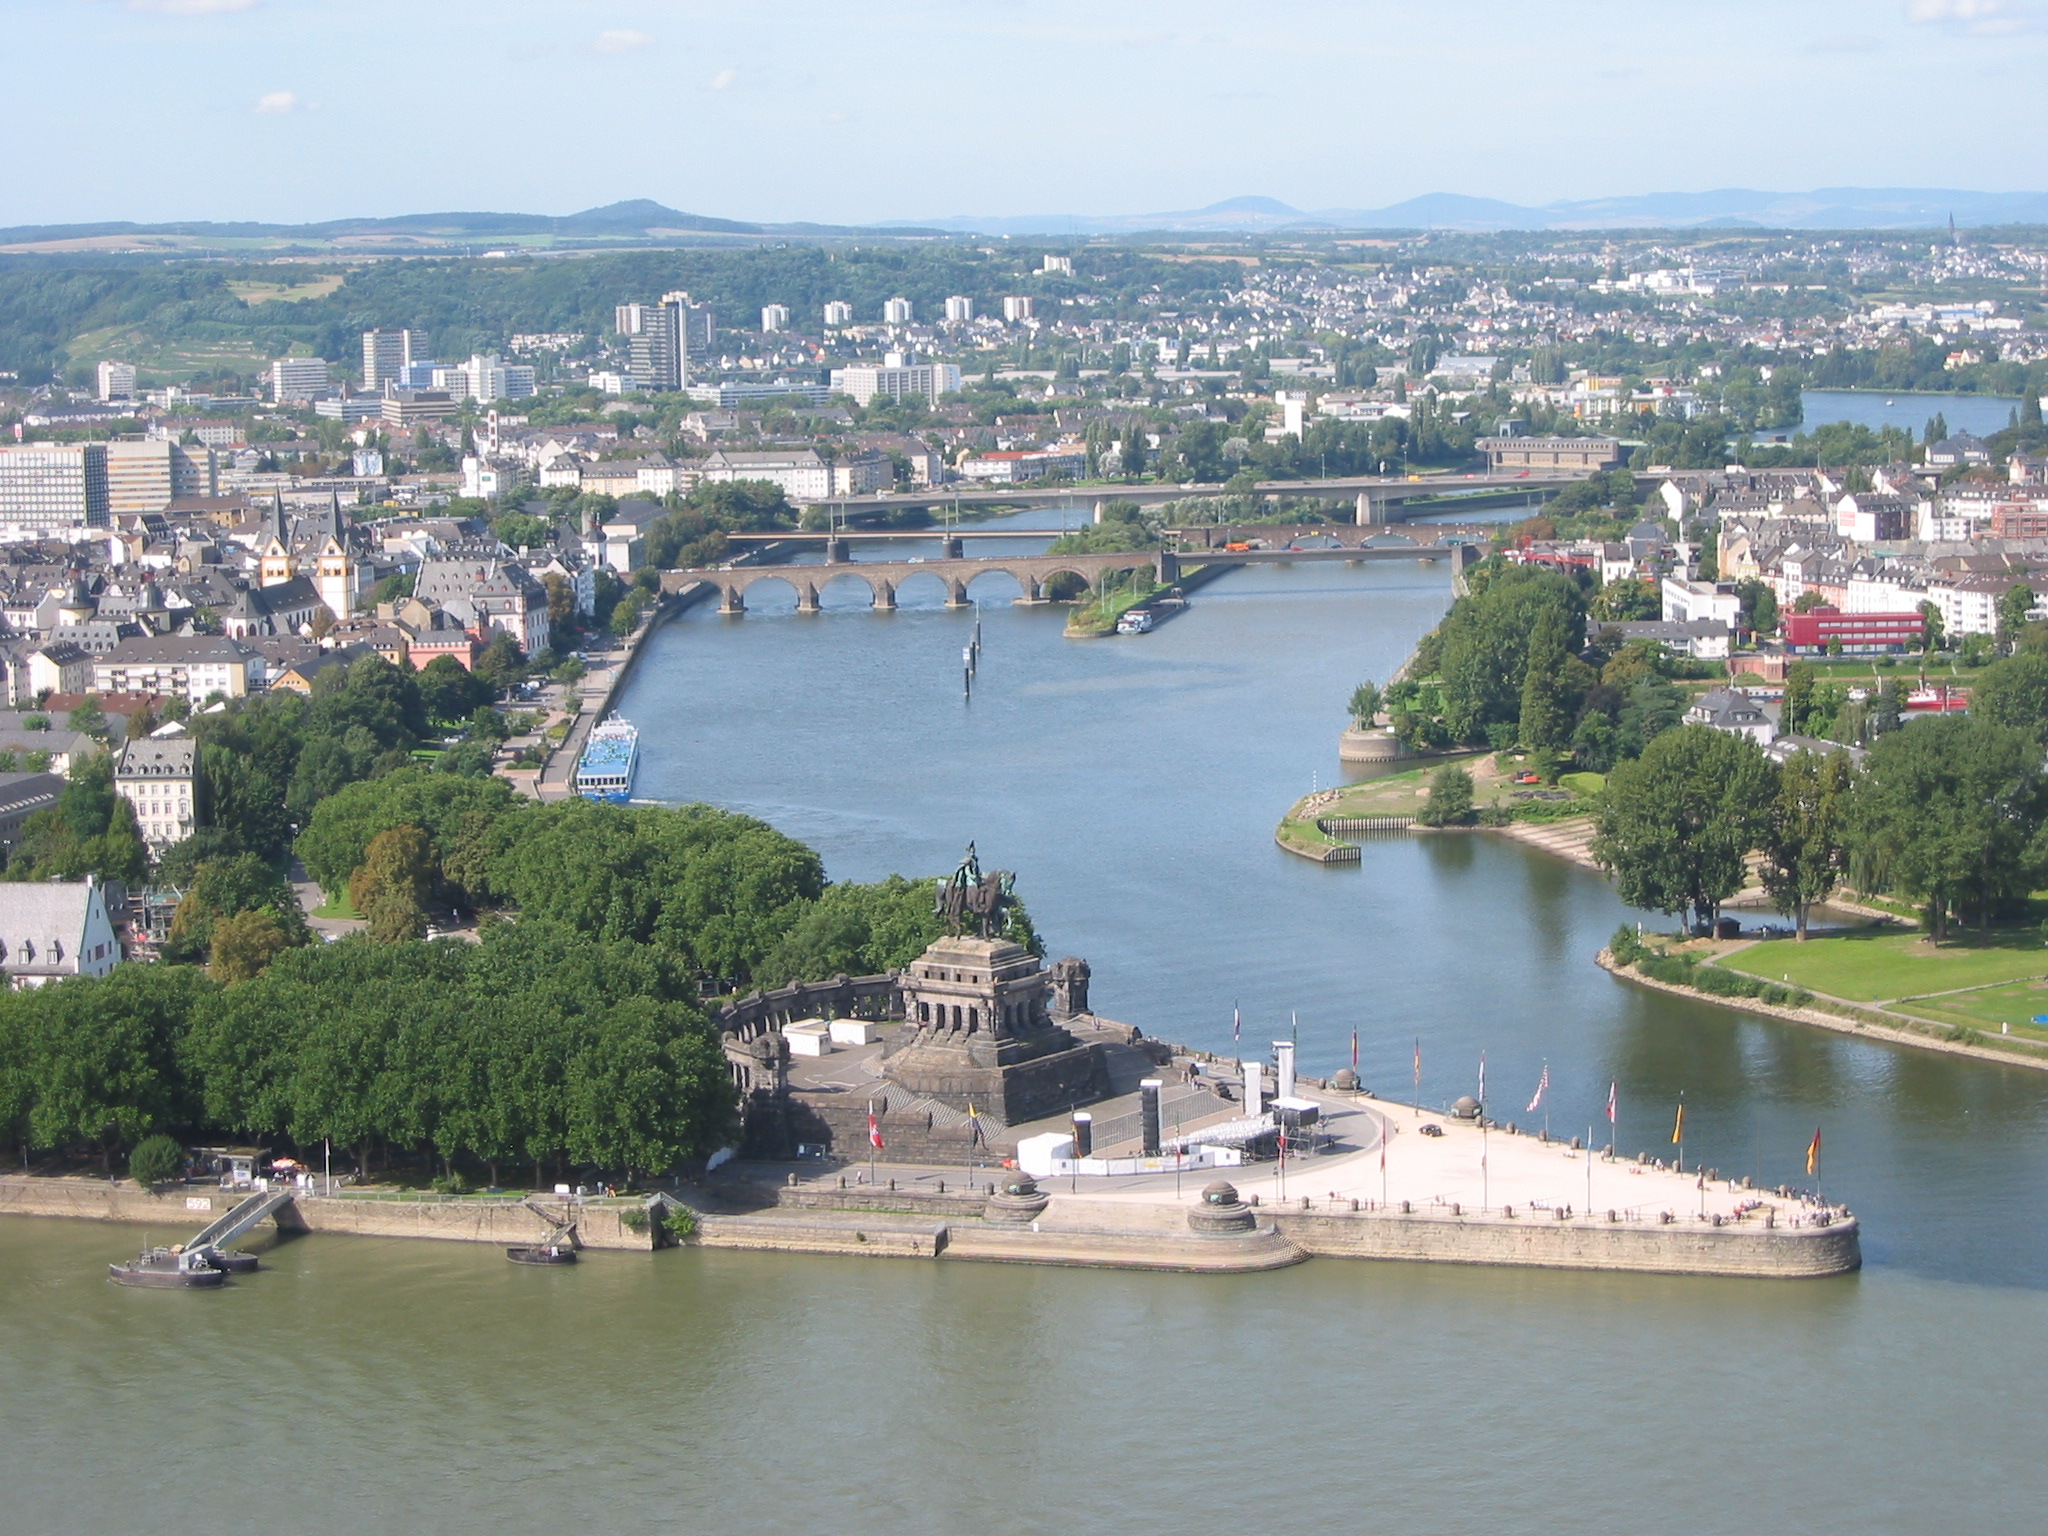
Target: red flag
x,y
1542,1085
1610,1103
874,1132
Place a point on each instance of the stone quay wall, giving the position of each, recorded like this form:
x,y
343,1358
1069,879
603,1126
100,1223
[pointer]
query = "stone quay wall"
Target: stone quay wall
x,y
1540,1241
454,1220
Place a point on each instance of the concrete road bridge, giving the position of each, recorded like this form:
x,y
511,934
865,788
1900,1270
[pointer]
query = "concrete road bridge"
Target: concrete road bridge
x,y
1375,498
1032,573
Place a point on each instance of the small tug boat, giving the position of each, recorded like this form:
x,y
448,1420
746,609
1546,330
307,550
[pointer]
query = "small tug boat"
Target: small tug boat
x,y
230,1261
170,1269
556,1251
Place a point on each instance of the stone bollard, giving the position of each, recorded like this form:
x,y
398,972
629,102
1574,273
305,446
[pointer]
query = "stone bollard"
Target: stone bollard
x,y
792,1181
1407,1209
1612,1217
1354,1205
892,1184
1457,1209
1251,1199
1508,1211
842,1181
942,1186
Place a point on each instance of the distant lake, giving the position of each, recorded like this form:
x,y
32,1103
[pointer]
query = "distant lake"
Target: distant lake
x,y
1979,414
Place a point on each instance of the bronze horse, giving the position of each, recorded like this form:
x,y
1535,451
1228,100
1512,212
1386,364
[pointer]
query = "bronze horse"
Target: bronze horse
x,y
970,894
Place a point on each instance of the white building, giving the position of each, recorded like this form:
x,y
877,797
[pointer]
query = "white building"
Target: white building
x,y
194,666
959,309
896,311
52,930
49,487
1685,601
295,380
1735,713
486,377
1017,307
896,378
612,383
774,317
117,381
386,356
800,473
838,315
158,775
1063,265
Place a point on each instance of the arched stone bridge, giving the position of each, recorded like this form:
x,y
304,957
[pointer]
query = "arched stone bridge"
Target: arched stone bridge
x,y
883,577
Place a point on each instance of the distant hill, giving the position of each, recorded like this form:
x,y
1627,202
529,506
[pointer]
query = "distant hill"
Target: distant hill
x,y
640,222
1731,208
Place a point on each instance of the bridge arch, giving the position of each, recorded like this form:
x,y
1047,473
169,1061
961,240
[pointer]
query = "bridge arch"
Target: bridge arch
x,y
1021,582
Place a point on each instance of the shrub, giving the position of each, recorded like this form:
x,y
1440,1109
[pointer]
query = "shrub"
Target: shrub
x,y
1450,798
680,1223
633,1219
450,1184
156,1160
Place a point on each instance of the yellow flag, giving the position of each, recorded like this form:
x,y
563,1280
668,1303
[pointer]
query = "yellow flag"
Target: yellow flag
x,y
1678,1128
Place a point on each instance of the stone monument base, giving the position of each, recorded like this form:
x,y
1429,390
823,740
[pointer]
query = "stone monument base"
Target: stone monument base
x,y
1042,1074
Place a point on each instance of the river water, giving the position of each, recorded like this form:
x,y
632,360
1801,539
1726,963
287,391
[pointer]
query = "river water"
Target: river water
x,y
1979,414
1133,786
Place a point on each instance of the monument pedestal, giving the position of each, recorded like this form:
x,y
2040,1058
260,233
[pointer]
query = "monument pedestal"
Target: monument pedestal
x,y
979,1035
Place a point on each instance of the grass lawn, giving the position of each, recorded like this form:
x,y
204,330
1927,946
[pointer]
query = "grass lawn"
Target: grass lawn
x,y
337,906
1868,966
1989,1009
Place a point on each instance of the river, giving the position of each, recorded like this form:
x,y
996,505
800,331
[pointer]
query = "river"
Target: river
x,y
1133,786
1978,414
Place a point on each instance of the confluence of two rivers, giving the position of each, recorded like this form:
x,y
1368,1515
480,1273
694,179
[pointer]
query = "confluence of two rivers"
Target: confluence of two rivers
x,y
369,1386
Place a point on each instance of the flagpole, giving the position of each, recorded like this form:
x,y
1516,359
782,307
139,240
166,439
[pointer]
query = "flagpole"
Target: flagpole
x,y
1589,1170
871,1143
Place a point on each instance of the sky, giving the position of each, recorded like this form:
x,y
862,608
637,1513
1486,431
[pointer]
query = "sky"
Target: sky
x,y
295,110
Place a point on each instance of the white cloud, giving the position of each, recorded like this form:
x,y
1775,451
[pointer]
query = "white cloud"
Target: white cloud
x,y
621,40
723,79
1982,18
277,104
192,7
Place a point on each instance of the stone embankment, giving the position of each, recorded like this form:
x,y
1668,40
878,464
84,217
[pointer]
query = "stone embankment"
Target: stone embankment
x,y
625,1225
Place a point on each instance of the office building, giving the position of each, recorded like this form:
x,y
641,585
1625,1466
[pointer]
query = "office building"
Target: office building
x,y
662,340
959,308
485,377
1017,307
386,354
295,380
896,311
897,378
47,487
1061,265
838,315
149,476
774,317
117,381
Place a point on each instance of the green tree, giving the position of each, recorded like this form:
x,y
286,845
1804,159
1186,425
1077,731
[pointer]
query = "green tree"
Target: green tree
x,y
1759,612
2014,692
2013,608
451,692
1796,713
1365,704
1676,825
1545,726
396,881
156,1160
334,843
1933,632
223,888
1950,811
1450,798
245,944
1804,844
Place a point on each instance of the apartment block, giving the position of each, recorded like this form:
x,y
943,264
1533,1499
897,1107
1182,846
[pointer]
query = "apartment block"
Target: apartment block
x,y
46,487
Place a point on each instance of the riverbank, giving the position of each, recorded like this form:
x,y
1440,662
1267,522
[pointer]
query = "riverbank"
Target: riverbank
x,y
1385,1181
1848,1019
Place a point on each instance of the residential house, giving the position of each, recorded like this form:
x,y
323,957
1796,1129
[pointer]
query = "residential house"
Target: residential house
x,y
1735,713
51,930
158,775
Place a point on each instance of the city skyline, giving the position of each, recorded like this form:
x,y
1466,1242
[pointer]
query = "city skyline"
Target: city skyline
x,y
305,105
